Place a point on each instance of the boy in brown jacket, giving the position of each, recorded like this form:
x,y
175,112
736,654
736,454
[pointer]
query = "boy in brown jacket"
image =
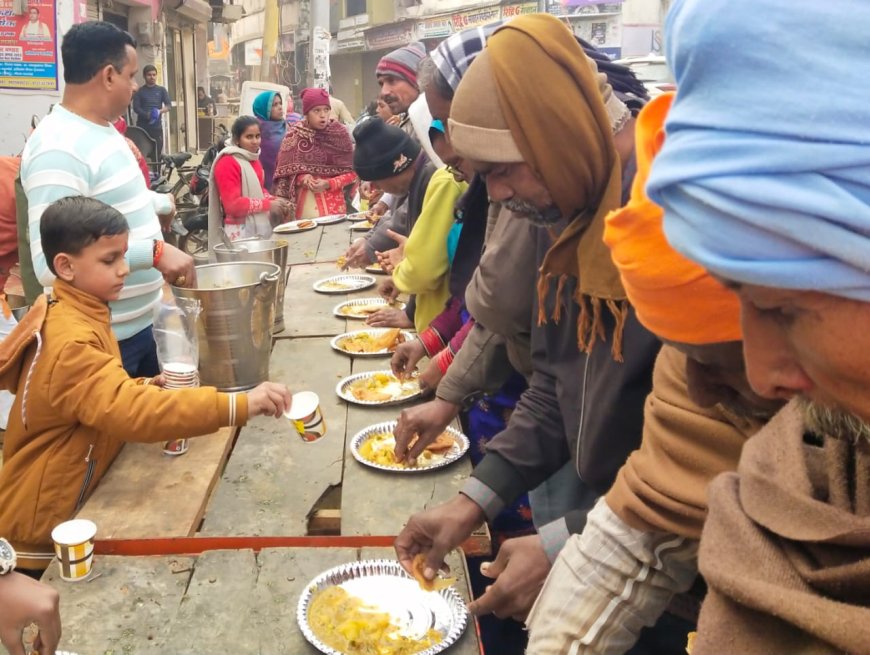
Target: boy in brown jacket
x,y
75,405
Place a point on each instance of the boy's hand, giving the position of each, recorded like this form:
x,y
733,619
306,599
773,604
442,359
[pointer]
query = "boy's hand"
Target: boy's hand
x,y
269,399
177,267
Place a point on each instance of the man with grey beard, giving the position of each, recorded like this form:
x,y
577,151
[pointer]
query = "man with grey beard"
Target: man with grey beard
x,y
774,199
592,360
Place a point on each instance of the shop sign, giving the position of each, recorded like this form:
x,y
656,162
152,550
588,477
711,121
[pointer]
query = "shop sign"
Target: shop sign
x,y
475,18
435,28
389,36
355,43
28,51
512,11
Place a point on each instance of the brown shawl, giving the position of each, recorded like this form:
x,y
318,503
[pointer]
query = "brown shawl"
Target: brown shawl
x,y
563,130
305,151
786,547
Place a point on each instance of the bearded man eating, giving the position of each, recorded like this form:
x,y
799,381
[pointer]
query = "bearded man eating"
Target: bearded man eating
x,y
774,199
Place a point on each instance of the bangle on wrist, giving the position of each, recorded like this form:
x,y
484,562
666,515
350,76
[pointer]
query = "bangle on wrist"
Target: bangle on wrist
x,y
158,251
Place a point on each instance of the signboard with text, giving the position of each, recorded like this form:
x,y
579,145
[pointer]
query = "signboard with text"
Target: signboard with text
x,y
389,36
435,28
28,51
477,17
512,11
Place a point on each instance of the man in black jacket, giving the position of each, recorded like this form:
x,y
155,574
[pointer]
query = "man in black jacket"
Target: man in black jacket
x,y
592,360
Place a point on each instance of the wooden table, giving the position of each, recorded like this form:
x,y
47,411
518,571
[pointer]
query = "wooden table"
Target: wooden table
x,y
222,602
258,481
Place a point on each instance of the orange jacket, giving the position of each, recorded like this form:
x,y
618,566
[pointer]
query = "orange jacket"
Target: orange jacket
x,y
74,408
8,226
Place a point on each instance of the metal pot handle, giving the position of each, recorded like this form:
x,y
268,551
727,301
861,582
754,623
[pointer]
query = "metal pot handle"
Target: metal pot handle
x,y
270,277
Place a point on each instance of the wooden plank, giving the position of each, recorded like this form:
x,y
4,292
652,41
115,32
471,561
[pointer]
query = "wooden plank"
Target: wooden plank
x,y
273,479
396,496
284,574
148,494
334,242
307,313
303,246
216,611
124,607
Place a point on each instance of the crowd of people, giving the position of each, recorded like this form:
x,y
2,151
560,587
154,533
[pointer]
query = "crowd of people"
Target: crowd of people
x,y
646,313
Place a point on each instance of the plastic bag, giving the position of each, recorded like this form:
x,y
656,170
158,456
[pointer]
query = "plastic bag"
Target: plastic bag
x,y
175,331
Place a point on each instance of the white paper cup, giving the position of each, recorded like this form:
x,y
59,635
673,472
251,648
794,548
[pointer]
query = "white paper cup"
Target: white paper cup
x,y
306,416
74,547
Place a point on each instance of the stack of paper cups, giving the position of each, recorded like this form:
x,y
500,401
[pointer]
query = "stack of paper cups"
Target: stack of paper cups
x,y
179,375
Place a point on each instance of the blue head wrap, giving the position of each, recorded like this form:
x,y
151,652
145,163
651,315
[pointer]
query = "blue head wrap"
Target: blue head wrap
x,y
765,172
263,105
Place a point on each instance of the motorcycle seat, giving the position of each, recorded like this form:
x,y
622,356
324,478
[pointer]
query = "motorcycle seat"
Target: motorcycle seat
x,y
177,159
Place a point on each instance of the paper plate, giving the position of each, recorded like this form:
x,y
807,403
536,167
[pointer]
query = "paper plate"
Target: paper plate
x,y
459,448
361,227
359,216
293,227
362,302
372,331
343,283
385,585
342,389
330,220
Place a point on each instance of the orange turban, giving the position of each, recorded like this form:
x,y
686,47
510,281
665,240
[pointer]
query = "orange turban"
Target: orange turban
x,y
674,297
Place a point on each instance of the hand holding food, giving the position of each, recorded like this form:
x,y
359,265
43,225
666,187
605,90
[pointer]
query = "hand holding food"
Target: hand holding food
x,y
419,426
390,317
356,255
405,359
388,290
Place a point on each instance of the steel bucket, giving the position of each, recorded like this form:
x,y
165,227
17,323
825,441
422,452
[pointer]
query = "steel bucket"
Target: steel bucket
x,y
273,251
234,327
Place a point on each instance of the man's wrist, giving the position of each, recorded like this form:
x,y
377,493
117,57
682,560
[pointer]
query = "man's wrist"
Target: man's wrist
x,y
468,514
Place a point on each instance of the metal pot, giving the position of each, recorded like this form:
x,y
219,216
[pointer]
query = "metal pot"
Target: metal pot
x,y
273,251
234,327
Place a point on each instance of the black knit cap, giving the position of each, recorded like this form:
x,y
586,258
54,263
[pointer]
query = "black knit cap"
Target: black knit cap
x,y
382,150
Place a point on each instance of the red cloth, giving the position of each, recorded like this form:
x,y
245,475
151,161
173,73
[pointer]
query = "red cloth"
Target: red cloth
x,y
324,154
314,97
228,176
140,159
328,202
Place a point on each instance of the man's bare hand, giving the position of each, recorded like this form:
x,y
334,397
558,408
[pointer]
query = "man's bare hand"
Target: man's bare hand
x,y
357,256
426,421
519,572
23,601
388,290
437,531
405,358
269,399
177,267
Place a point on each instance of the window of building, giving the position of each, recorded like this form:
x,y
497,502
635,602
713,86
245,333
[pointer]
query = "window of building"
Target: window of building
x,y
355,7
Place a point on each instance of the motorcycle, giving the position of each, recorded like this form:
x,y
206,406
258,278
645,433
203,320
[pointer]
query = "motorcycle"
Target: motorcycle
x,y
195,223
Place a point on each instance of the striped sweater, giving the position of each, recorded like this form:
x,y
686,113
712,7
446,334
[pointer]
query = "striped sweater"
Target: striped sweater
x,y
68,155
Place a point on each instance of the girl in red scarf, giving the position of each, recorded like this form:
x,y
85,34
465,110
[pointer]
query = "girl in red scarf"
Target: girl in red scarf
x,y
315,162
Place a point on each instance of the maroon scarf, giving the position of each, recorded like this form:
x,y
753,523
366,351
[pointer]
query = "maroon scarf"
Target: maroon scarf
x,y
305,151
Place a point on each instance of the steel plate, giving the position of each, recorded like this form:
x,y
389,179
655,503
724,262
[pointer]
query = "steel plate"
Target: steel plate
x,y
352,281
454,454
341,390
385,585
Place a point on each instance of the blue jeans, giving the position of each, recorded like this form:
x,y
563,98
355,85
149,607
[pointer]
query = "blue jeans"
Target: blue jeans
x,y
139,354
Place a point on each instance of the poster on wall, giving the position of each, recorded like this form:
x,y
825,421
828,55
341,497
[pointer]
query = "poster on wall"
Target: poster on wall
x,y
28,52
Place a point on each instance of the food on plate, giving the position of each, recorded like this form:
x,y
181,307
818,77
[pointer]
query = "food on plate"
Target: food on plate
x,y
375,267
379,449
369,342
437,584
361,311
304,224
365,225
382,387
333,284
341,262
347,624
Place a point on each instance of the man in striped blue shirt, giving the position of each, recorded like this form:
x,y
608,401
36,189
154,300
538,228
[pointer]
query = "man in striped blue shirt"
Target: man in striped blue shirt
x,y
76,151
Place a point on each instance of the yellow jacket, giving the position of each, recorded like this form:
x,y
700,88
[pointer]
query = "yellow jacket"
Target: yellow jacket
x,y
425,270
74,407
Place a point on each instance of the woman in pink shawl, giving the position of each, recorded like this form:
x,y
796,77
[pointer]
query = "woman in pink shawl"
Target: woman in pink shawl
x,y
315,162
